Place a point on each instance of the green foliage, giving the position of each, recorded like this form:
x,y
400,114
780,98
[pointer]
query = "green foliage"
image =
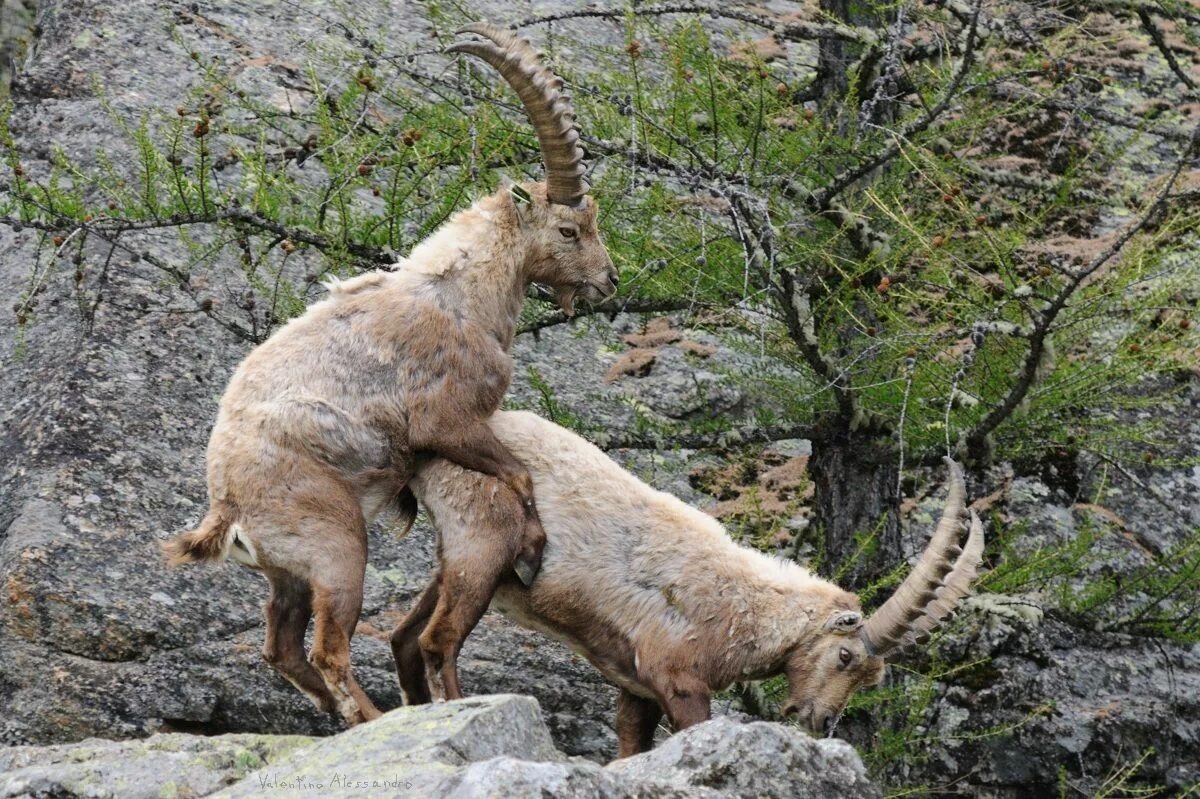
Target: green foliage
x,y
1159,598
706,169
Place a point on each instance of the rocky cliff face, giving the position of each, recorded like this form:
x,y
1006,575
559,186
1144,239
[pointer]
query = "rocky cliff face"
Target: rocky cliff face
x,y
16,29
105,416
104,426
103,421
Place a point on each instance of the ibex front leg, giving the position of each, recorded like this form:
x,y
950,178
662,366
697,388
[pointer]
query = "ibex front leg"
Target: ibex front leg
x,y
637,719
478,541
476,447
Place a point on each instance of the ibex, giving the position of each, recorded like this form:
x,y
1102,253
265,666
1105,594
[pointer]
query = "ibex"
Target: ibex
x,y
322,424
654,592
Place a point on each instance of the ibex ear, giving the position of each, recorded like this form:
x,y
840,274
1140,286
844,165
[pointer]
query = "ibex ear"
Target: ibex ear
x,y
520,198
844,621
519,194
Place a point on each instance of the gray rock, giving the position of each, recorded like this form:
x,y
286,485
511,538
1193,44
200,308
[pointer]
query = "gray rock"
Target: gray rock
x,y
1040,695
16,28
487,746
409,751
162,766
1033,689
724,757
510,778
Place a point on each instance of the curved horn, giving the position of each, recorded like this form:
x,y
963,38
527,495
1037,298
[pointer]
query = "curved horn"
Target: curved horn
x,y
955,587
883,631
549,109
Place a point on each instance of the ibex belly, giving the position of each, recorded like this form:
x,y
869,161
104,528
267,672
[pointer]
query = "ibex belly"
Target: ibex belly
x,y
609,652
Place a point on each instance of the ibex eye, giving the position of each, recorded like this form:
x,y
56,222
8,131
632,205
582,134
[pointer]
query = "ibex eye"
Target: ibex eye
x,y
845,656
568,232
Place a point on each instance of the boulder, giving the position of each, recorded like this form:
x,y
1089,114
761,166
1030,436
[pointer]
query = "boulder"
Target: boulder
x,y
487,746
727,757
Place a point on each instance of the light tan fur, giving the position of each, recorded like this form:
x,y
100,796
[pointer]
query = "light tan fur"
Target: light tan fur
x,y
653,592
322,425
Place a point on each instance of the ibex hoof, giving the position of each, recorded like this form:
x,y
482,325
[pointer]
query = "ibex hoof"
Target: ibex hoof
x,y
525,571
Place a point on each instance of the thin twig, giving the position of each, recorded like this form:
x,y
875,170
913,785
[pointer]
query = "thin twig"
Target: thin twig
x,y
1164,48
793,31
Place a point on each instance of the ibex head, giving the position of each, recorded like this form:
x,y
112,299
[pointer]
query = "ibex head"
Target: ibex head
x,y
558,218
851,654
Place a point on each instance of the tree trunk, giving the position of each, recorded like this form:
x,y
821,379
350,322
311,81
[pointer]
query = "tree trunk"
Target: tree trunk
x,y
856,507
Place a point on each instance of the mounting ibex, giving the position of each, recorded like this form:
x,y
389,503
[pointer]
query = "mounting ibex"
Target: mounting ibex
x,y
654,593
321,425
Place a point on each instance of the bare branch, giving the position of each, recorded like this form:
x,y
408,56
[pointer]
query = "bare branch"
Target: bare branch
x,y
822,199
726,439
113,226
801,325
1038,337
794,31
610,308
1018,93
1164,48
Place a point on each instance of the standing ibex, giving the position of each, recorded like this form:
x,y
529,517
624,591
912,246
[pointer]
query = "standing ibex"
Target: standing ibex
x,y
321,425
654,593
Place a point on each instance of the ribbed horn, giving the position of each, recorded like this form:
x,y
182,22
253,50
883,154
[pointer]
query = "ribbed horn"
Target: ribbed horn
x,y
888,625
541,93
955,587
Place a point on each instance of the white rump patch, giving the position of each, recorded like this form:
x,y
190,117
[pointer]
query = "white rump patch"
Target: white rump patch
x,y
240,548
375,500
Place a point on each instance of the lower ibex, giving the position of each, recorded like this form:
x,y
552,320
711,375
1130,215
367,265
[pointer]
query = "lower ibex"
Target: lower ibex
x,y
323,423
654,592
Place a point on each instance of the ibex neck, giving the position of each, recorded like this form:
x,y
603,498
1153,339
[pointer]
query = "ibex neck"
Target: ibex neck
x,y
475,265
768,607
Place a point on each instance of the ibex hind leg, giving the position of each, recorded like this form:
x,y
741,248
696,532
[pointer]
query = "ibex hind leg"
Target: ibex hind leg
x,y
329,547
288,611
463,598
337,608
406,648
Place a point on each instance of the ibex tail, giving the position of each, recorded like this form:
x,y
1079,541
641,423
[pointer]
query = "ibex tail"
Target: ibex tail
x,y
206,542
